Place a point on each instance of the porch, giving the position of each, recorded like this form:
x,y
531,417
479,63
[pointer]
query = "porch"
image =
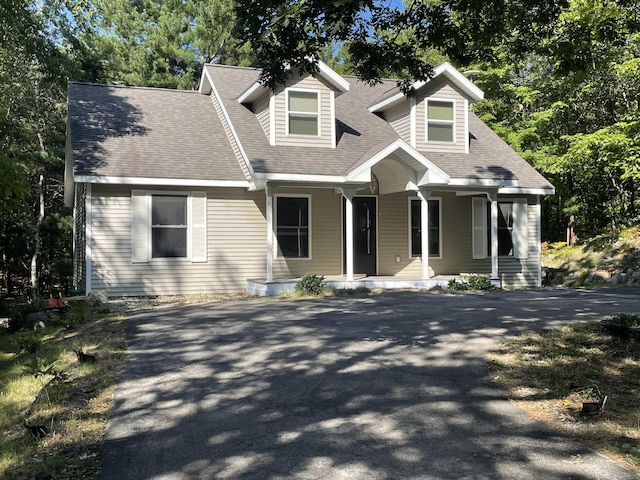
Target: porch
x,y
262,288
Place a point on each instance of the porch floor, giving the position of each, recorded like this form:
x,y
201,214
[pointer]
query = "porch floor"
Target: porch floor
x,y
261,288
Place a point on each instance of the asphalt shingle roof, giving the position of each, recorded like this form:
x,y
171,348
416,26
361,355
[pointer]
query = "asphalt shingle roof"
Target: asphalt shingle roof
x,y
149,133
160,133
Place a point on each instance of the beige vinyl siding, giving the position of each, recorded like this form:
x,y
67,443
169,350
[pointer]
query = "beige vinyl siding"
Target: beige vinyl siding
x,y
262,111
326,120
326,237
392,176
232,139
399,117
236,250
439,89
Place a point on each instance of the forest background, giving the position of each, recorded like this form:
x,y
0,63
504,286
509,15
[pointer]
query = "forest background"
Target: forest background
x,y
561,81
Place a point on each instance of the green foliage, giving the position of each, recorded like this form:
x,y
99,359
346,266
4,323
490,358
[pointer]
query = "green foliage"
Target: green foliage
x,y
79,311
28,341
346,292
625,320
38,367
18,314
311,284
470,282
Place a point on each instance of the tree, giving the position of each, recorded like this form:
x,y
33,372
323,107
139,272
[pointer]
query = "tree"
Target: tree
x,y
384,38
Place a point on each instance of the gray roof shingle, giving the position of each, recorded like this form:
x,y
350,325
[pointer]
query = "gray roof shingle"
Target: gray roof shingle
x,y
159,133
149,133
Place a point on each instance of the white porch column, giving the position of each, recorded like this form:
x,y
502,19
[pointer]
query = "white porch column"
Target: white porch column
x,y
269,190
494,236
424,230
348,218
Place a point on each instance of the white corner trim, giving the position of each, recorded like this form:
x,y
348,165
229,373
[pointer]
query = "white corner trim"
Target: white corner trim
x,y
170,182
413,122
332,120
87,239
467,138
272,118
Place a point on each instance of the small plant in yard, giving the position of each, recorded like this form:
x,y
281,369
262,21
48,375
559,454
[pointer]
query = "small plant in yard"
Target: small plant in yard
x,y
28,340
470,282
625,320
311,285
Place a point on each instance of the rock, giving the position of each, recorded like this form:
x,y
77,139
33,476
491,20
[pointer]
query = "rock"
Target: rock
x,y
98,298
635,277
617,278
37,320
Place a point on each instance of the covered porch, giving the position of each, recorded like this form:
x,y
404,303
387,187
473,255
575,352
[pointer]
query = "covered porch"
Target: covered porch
x,y
262,288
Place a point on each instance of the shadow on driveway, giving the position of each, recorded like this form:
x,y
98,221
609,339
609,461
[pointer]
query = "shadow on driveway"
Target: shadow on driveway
x,y
378,387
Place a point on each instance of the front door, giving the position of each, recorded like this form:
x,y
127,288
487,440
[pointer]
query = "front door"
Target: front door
x,y
364,235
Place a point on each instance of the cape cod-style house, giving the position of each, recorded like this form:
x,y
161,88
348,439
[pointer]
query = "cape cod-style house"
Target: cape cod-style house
x,y
236,187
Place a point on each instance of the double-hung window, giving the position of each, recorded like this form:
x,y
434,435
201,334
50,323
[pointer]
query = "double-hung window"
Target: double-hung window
x,y
168,226
415,222
440,121
512,228
292,226
303,112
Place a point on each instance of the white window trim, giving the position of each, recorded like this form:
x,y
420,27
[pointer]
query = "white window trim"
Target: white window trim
x,y
147,195
439,199
519,233
276,245
288,112
441,122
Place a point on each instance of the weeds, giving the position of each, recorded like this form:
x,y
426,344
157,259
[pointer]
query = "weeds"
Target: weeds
x,y
547,374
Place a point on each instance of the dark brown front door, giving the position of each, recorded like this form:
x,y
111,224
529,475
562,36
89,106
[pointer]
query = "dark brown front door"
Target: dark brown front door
x,y
364,235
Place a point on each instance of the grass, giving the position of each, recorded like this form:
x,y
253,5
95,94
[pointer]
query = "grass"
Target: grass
x,y
543,372
74,408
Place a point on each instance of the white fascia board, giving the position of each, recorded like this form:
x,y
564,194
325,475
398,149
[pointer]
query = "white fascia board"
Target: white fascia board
x,y
435,173
172,182
204,88
252,93
299,177
482,182
214,91
330,75
464,84
527,191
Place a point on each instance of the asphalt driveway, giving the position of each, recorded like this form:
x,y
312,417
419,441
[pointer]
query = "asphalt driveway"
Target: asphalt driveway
x,y
390,386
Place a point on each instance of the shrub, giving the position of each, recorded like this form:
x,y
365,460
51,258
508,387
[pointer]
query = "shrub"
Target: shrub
x,y
311,285
79,311
28,341
345,292
471,282
18,314
625,320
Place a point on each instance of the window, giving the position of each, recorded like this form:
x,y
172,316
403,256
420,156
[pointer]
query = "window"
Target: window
x,y
440,121
415,222
292,226
512,228
168,226
303,113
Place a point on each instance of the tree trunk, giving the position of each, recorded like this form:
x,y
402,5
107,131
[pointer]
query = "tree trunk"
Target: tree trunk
x,y
35,286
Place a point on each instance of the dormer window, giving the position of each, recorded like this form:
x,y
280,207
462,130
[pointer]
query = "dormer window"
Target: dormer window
x,y
303,112
440,121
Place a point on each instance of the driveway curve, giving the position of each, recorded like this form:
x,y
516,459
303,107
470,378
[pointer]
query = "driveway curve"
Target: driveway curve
x,y
389,386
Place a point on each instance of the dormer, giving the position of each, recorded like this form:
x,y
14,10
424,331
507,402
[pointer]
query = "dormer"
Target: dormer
x,y
436,118
301,112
